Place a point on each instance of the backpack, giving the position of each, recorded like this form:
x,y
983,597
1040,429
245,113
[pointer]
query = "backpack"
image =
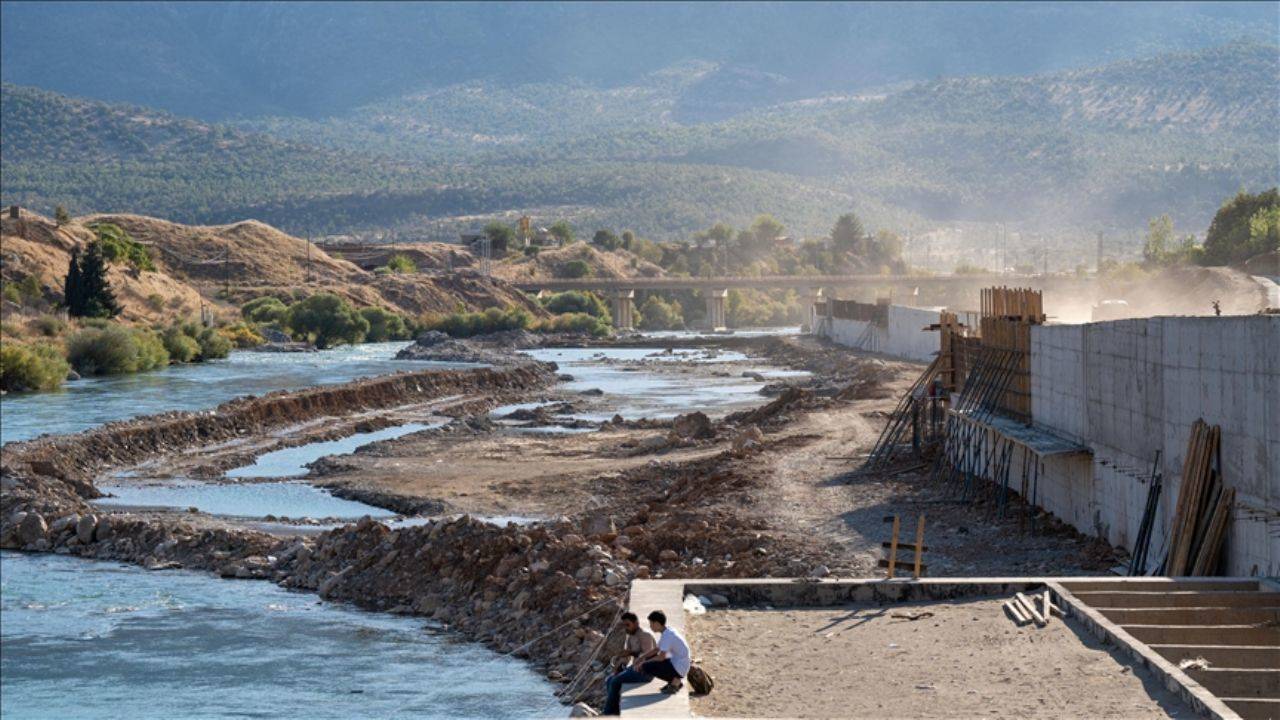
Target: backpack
x,y
699,681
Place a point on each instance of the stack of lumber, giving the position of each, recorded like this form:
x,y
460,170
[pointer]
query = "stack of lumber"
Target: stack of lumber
x,y
1204,506
1035,609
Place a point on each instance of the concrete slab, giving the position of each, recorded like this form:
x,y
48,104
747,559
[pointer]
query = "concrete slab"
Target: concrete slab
x,y
1255,708
648,701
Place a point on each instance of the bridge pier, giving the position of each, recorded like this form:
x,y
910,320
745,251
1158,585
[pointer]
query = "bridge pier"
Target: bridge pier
x,y
717,315
622,306
809,298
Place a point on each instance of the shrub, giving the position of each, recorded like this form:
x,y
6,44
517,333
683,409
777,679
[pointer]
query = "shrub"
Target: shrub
x,y
266,310
575,269
658,314
576,301
468,324
49,325
327,320
213,344
182,348
242,335
114,350
27,368
401,264
573,323
118,246
384,325
532,251
155,301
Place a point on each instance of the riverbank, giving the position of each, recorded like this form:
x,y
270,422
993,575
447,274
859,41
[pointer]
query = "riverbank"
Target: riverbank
x,y
762,491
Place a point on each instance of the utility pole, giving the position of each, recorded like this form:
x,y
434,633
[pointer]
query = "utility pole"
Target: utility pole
x,y
226,269
308,257
1097,263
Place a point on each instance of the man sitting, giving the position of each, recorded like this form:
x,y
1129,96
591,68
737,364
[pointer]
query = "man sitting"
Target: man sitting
x,y
639,643
670,659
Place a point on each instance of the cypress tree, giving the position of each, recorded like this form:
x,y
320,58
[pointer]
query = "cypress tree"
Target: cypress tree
x,y
73,287
93,297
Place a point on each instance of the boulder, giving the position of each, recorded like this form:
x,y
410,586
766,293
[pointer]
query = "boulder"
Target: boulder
x,y
668,556
596,525
32,529
85,528
748,438
692,426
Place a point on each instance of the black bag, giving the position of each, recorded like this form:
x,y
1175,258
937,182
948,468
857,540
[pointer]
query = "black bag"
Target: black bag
x,y
699,681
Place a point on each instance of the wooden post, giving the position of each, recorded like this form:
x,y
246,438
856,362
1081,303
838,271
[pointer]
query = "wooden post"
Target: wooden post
x,y
919,545
893,547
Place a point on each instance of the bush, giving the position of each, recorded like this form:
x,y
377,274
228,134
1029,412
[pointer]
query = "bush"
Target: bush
x,y
327,320
182,348
265,310
401,264
49,325
27,368
114,350
576,301
468,324
384,325
213,344
532,251
573,323
118,246
155,301
242,335
658,314
575,269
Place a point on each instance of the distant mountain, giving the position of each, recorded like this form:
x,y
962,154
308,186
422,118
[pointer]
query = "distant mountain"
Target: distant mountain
x,y
1110,145
219,60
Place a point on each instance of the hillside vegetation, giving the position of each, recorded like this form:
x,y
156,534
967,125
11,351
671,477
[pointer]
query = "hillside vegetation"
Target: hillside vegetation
x,y
1107,146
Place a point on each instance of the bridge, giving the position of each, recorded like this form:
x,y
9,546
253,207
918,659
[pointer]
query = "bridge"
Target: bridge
x,y
715,289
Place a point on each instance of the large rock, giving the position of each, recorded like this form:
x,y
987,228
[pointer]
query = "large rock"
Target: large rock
x,y
32,529
85,528
692,426
599,525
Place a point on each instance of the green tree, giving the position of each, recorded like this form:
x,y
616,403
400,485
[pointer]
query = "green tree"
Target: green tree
x,y
1157,246
574,269
501,237
562,231
87,292
576,301
327,320
848,235
606,240
60,216
1243,227
658,314
266,310
628,239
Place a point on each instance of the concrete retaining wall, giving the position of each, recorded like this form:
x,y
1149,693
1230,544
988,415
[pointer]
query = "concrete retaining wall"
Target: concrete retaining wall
x,y
902,336
1131,387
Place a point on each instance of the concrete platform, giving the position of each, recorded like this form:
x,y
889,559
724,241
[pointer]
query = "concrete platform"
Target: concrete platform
x,y
1230,623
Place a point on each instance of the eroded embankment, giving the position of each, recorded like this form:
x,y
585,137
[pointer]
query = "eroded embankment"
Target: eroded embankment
x,y
77,458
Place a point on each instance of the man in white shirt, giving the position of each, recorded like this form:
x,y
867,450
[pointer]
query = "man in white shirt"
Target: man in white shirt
x,y
670,658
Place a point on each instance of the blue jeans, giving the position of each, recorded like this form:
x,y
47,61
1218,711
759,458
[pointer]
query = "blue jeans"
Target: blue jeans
x,y
613,702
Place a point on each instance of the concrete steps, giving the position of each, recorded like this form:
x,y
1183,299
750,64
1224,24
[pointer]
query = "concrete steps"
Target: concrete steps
x,y
1245,635
1223,656
1103,599
1235,683
1254,708
1193,616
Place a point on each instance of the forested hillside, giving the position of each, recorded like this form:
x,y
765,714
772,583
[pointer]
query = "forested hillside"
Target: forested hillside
x,y
1107,146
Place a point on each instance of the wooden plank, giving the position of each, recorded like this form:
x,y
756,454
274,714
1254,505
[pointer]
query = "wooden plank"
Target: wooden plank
x,y
885,563
903,546
919,567
1015,611
1030,607
1046,606
1207,560
893,548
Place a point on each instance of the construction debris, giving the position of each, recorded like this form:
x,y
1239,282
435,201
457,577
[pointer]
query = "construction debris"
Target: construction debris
x,y
1024,609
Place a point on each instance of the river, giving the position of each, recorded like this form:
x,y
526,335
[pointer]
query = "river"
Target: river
x,y
87,639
